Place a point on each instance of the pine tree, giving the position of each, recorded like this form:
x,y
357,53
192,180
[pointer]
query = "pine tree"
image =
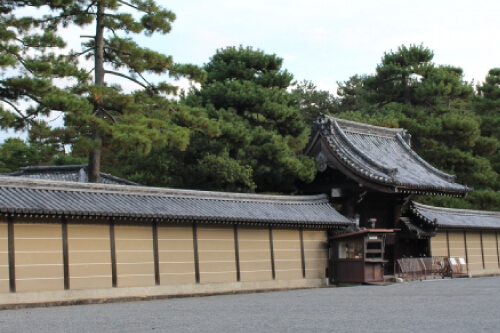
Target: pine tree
x,y
435,104
399,75
487,106
96,109
259,119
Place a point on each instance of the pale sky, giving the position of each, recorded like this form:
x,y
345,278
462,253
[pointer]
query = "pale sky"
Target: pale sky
x,y
326,41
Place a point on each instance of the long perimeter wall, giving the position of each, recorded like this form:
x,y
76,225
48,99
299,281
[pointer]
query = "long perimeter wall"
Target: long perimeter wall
x,y
58,254
479,248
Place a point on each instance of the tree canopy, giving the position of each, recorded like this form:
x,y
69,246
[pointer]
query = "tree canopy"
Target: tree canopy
x,y
44,76
260,129
243,128
449,123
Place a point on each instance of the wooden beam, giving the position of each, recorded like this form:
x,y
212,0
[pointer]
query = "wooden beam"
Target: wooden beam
x,y
482,249
196,255
237,252
114,279
466,250
498,252
302,252
64,226
11,254
271,247
155,252
448,243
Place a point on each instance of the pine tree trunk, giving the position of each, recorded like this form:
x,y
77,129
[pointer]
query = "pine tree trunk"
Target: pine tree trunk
x,y
95,153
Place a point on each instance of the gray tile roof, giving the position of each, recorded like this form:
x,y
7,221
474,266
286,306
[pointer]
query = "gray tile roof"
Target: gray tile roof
x,y
383,156
27,196
67,173
411,229
450,218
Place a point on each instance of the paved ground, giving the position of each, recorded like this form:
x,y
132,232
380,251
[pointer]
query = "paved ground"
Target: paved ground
x,y
459,305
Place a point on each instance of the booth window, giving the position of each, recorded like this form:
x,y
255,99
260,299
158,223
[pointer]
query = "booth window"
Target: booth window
x,y
351,250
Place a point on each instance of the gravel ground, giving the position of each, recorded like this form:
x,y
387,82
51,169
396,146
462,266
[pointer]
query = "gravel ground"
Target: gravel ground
x,y
458,305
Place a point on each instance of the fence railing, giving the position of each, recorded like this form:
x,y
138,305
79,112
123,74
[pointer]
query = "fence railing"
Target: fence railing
x,y
431,267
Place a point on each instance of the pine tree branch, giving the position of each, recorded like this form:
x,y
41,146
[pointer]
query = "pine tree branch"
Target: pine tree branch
x,y
24,117
92,4
57,19
142,77
117,50
129,5
129,78
109,115
32,46
21,60
72,56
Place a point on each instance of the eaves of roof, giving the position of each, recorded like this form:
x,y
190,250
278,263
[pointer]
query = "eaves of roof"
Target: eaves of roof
x,y
81,200
452,218
65,173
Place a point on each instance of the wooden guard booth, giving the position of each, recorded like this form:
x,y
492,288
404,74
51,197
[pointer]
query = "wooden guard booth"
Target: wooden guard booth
x,y
358,257
372,172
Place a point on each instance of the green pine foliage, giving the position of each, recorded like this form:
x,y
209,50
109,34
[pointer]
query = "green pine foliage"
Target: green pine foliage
x,y
47,77
258,135
452,128
259,119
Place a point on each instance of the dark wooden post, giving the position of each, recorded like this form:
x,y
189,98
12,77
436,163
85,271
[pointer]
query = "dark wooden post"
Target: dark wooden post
x,y
64,224
271,247
482,249
114,279
302,252
156,255
237,252
12,256
196,256
448,243
498,252
466,250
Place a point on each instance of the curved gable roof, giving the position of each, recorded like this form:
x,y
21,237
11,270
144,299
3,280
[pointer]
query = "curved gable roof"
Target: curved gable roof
x,y
451,218
380,156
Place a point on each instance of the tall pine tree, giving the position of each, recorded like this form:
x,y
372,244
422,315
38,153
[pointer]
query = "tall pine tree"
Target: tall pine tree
x,y
434,103
96,109
260,132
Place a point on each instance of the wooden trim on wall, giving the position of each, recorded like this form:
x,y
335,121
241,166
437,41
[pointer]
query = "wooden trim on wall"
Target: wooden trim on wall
x,y
155,252
64,227
466,250
448,243
11,254
498,252
114,280
302,253
196,255
237,252
482,249
271,247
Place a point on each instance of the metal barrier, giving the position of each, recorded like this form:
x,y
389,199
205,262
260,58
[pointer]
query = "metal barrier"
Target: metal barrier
x,y
423,268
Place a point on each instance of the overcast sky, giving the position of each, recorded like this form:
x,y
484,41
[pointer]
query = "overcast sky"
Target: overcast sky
x,y
326,41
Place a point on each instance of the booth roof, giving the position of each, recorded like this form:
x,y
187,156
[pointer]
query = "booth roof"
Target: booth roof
x,y
381,156
24,196
451,218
